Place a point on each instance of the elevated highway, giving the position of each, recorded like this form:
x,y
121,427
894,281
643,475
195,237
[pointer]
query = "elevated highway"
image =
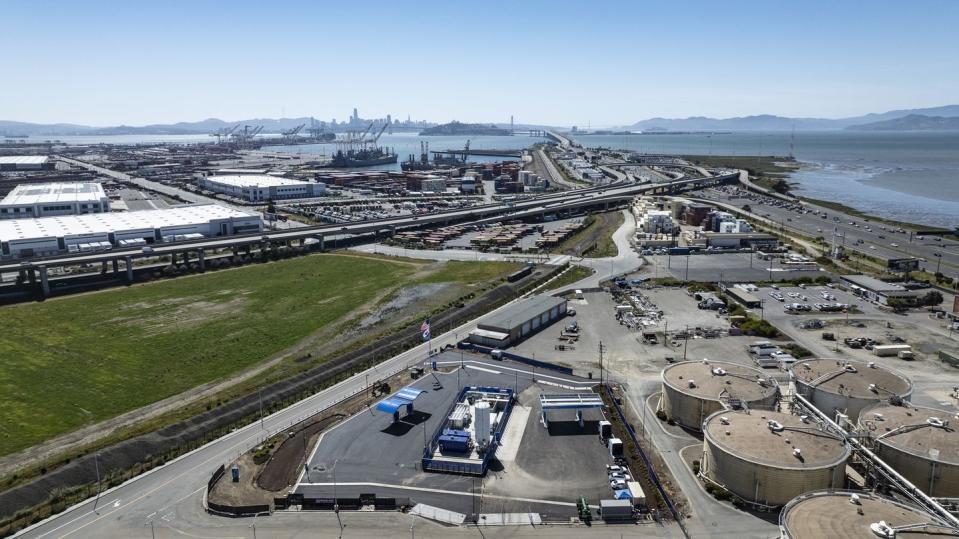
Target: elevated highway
x,y
35,271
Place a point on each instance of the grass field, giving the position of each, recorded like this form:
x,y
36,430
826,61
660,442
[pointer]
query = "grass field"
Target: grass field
x,y
576,273
595,240
81,359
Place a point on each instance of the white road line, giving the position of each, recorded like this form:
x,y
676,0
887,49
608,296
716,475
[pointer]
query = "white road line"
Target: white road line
x,y
491,371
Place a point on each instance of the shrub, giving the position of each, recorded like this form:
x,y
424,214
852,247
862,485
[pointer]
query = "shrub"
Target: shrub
x,y
761,328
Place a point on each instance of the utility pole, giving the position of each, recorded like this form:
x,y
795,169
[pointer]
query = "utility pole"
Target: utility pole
x,y
686,343
601,350
687,267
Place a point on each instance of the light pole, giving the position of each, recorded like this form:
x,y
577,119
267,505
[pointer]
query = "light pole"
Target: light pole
x,y
96,464
259,397
253,525
686,343
938,261
687,267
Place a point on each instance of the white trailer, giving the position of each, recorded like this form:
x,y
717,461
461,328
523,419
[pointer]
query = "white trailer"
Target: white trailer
x,y
884,350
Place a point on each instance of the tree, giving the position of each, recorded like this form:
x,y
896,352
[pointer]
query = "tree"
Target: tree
x,y
933,297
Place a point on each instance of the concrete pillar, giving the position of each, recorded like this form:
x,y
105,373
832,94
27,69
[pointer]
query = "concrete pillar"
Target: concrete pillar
x,y
129,263
201,257
23,275
392,230
116,265
322,243
579,418
44,283
247,249
545,419
103,267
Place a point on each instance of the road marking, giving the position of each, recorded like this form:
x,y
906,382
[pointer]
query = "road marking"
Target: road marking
x,y
483,369
441,491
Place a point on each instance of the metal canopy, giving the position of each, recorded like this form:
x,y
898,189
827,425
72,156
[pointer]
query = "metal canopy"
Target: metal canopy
x,y
570,401
403,397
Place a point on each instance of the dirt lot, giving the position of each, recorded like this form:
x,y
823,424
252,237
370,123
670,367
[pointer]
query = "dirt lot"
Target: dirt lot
x,y
600,231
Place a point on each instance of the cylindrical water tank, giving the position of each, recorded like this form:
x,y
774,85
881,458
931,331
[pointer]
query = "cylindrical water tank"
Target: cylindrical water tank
x,y
481,422
693,390
846,386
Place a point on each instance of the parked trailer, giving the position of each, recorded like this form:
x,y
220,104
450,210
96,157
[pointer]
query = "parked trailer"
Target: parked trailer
x,y
636,494
519,274
615,448
884,350
616,509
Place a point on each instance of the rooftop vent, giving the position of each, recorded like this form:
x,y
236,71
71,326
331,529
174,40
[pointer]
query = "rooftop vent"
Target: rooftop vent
x,y
719,371
849,368
878,417
871,364
692,384
724,420
797,453
872,387
881,529
936,422
705,361
774,425
854,499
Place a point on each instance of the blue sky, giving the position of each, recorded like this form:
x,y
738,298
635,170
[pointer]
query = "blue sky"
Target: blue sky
x,y
564,63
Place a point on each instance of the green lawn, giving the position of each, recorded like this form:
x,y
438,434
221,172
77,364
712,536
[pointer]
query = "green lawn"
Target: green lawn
x,y
73,361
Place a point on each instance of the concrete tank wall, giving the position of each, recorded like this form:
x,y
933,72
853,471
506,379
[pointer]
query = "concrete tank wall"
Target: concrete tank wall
x,y
767,484
829,402
937,479
690,411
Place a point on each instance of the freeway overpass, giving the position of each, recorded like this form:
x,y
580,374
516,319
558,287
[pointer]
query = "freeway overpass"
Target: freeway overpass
x,y
35,271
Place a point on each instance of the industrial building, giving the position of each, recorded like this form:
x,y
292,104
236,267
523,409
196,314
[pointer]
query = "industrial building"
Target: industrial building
x,y
769,458
51,199
921,443
518,321
745,298
848,515
838,386
23,238
10,163
873,289
262,187
693,390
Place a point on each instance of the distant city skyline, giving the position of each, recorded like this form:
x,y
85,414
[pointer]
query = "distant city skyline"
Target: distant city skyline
x,y
106,63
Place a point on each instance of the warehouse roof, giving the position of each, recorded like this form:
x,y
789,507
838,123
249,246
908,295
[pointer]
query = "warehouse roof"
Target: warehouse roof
x,y
909,428
873,284
751,437
851,378
23,159
831,514
519,313
49,193
710,379
102,223
254,180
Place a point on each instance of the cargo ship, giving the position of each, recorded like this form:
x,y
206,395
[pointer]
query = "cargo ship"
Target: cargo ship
x,y
366,157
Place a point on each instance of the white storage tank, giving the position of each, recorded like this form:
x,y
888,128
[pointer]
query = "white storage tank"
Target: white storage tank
x,y
921,443
695,389
847,387
771,457
481,421
859,515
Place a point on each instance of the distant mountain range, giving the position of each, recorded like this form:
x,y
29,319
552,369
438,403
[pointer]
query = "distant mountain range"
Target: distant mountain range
x,y
766,122
912,122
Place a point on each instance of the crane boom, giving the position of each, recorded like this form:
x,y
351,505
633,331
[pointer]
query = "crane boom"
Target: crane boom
x,y
377,137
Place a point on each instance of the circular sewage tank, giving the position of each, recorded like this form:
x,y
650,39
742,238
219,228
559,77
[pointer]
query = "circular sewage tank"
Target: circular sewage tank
x,y
770,458
693,390
921,443
833,385
856,515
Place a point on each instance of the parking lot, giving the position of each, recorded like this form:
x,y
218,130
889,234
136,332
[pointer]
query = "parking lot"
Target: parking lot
x,y
713,268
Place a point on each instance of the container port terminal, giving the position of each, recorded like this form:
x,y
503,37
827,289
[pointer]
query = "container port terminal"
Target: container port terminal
x,y
638,393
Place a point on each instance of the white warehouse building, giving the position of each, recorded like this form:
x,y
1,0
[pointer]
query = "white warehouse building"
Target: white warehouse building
x,y
24,238
262,187
51,199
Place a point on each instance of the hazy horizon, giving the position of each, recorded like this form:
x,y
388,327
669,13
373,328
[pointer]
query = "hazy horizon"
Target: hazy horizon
x,y
104,63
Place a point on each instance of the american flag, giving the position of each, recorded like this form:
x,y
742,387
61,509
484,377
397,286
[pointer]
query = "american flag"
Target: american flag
x,y
425,328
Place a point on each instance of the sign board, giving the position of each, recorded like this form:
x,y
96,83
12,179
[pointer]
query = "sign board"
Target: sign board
x,y
902,264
